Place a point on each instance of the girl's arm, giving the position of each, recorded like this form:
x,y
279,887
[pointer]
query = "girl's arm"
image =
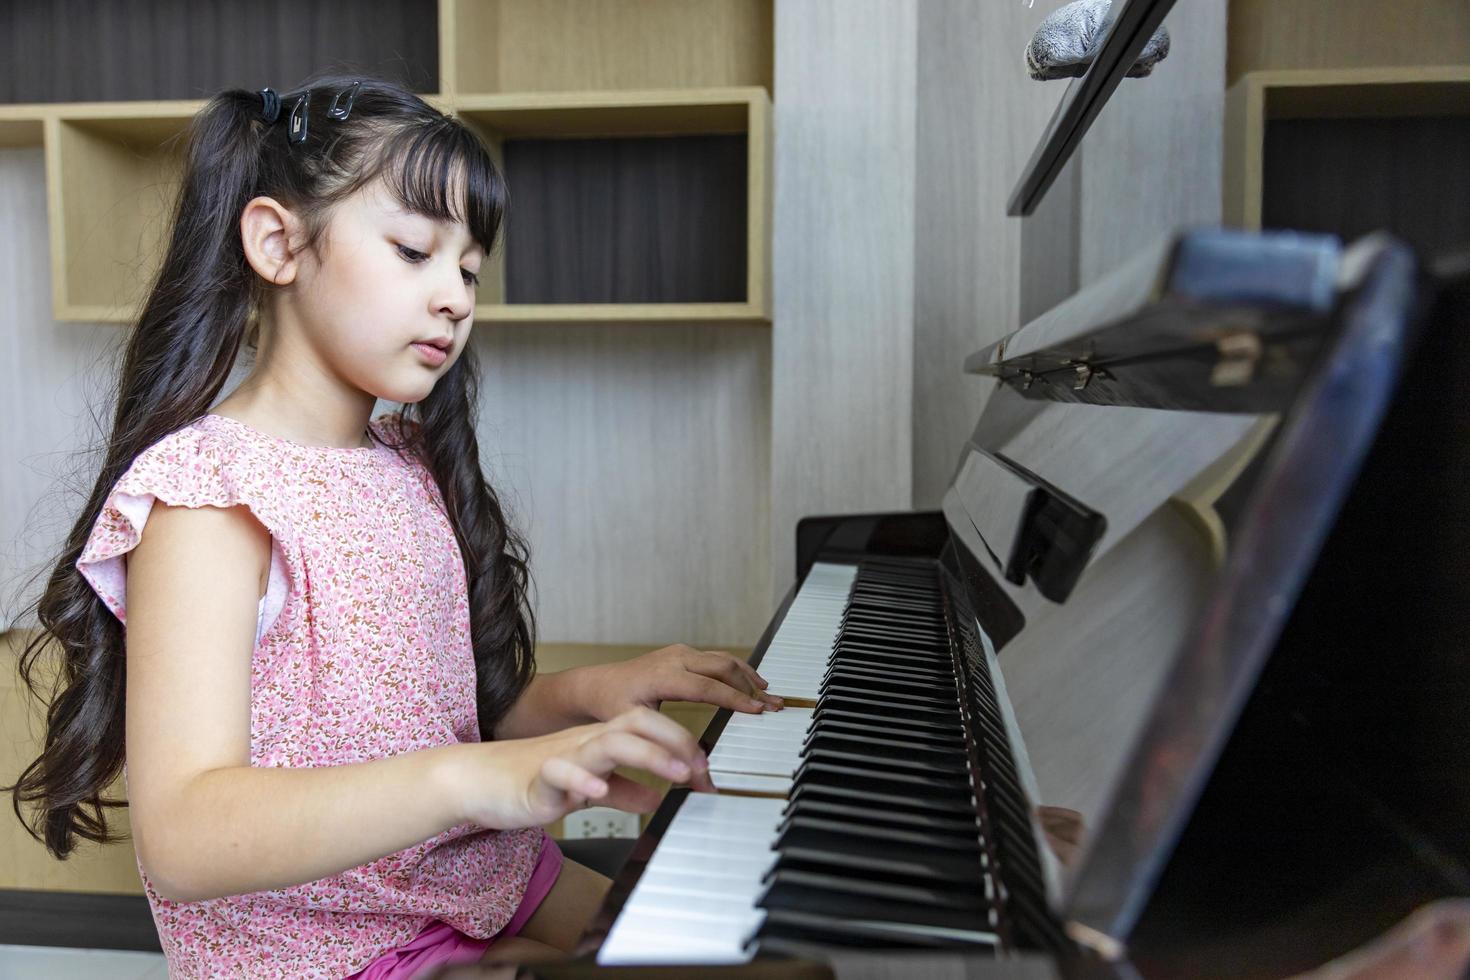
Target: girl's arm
x,y
552,702
207,824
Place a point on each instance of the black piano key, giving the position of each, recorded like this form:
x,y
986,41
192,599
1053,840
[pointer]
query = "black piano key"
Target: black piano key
x,y
897,698
792,891
792,924
842,858
939,768
904,801
886,817
931,789
878,666
883,708
947,727
880,640
900,734
888,748
921,895
898,663
889,838
898,658
869,680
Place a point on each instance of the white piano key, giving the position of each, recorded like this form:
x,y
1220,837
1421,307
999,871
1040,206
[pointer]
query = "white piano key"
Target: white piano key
x,y
695,901
748,783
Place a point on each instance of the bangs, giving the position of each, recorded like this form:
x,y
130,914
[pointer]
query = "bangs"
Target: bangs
x,y
444,173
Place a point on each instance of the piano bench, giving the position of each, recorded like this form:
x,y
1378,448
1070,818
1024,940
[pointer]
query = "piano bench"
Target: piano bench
x,y
605,855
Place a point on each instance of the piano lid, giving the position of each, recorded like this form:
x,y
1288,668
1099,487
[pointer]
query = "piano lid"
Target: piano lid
x,y
1146,618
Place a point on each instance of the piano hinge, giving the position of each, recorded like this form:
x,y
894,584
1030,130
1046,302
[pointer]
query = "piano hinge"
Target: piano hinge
x,y
1240,353
1099,942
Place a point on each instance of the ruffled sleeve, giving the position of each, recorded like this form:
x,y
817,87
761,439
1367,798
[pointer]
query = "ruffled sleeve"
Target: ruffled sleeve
x,y
187,468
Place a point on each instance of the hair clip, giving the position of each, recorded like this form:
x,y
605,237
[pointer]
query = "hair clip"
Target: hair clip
x,y
339,112
271,109
298,118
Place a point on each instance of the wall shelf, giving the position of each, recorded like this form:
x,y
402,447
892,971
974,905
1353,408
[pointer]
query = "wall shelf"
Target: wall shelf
x,y
1261,97
112,167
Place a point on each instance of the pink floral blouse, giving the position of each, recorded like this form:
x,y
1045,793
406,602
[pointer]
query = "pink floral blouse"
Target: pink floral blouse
x,y
362,651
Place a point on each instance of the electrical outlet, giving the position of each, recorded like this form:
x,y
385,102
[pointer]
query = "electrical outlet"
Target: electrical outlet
x,y
599,821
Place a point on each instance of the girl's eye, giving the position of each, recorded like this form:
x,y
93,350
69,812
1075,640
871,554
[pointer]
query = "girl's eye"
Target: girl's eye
x,y
413,255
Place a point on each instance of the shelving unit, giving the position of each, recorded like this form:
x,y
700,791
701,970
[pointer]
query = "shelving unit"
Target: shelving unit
x,y
511,69
1260,98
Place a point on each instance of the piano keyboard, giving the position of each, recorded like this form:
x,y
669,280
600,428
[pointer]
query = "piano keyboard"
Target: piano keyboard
x,y
868,834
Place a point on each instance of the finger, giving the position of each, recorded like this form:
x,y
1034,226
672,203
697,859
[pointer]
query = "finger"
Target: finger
x,y
738,674
630,796
576,782
665,731
657,727
750,671
624,748
722,666
697,687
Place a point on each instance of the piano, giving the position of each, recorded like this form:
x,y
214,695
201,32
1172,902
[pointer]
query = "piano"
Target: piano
x,y
1173,684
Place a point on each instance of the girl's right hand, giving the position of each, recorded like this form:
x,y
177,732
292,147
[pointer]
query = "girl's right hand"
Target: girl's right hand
x,y
530,781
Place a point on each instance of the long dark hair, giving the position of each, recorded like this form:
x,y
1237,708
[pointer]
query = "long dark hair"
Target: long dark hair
x,y
202,306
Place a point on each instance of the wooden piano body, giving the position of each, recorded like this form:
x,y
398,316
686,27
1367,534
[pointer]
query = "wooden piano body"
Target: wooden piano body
x,y
1211,536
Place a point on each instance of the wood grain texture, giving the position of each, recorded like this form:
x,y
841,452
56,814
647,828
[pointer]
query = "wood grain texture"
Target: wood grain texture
x,y
1081,675
54,384
638,458
626,220
978,117
1151,163
843,256
543,45
1346,34
1349,177
94,50
24,862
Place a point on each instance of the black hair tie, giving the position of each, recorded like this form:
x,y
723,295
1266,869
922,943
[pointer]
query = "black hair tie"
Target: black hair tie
x,y
271,110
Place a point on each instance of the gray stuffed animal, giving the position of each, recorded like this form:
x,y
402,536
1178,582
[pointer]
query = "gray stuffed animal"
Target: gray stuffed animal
x,y
1067,41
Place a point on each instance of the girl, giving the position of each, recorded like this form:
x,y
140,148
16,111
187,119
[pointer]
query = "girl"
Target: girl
x,y
336,750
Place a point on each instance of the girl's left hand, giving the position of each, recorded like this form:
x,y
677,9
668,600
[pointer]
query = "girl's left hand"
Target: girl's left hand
x,y
679,673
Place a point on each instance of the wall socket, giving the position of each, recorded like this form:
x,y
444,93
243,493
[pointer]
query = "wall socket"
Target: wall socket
x,y
599,821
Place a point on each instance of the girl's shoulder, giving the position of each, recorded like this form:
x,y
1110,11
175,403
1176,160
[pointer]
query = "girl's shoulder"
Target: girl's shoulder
x,y
201,464
208,459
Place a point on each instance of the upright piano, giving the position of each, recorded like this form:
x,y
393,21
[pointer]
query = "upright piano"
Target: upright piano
x,y
1174,683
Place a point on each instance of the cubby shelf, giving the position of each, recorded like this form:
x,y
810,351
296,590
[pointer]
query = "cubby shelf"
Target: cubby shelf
x,y
1259,97
511,69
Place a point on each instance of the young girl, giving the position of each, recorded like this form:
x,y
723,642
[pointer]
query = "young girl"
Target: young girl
x,y
336,750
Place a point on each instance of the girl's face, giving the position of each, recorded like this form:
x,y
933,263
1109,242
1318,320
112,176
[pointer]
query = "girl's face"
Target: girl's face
x,y
389,307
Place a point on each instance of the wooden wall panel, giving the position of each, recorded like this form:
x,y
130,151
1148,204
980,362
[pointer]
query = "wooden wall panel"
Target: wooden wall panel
x,y
1350,177
53,378
544,45
979,115
843,251
1346,34
101,50
1151,162
638,457
627,220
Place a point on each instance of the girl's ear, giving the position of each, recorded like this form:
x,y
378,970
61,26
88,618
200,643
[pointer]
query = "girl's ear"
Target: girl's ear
x,y
267,230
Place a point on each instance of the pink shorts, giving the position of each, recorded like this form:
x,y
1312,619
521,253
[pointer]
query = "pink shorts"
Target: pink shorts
x,y
440,944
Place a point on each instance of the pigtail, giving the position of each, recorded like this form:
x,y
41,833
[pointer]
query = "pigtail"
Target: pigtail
x,y
497,559
177,357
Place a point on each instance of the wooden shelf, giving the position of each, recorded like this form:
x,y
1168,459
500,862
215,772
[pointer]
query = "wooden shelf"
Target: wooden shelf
x,y
499,118
1262,96
617,45
617,68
